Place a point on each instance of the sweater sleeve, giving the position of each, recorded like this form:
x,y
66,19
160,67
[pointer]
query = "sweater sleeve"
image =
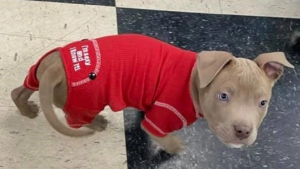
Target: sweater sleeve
x,y
162,119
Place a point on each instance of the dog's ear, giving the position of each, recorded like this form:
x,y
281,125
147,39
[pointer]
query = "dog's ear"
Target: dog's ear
x,y
272,64
209,64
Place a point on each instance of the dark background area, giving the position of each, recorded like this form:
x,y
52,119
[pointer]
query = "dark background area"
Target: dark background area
x,y
278,140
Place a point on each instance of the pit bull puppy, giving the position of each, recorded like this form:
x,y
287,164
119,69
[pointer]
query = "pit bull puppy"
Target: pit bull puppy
x,y
174,88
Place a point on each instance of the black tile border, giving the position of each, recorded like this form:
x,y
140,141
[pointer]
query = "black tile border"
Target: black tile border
x,y
164,26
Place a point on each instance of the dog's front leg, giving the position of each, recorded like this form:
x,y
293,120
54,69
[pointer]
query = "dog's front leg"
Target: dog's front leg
x,y
170,143
20,97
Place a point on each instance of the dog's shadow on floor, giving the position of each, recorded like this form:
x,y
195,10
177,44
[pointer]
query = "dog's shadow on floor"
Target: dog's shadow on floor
x,y
140,156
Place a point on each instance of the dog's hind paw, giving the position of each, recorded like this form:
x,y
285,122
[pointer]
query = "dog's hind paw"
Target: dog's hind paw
x,y
99,123
31,110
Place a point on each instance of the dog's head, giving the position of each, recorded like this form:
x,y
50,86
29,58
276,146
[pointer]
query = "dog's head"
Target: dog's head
x,y
233,94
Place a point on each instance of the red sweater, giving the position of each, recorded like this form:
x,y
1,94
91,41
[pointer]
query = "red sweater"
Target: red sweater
x,y
127,71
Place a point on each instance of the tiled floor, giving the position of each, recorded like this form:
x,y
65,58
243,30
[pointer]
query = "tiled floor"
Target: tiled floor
x,y
30,28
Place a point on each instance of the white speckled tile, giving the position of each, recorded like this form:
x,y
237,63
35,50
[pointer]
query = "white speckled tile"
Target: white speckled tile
x,y
28,30
199,6
56,20
271,8
27,143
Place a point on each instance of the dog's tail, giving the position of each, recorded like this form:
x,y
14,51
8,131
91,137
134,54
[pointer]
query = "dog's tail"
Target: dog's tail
x,y
48,81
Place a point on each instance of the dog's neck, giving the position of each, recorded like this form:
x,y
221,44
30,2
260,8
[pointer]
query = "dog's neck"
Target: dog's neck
x,y
198,110
197,107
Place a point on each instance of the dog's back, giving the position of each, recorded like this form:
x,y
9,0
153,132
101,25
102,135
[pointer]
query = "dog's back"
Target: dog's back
x,y
131,71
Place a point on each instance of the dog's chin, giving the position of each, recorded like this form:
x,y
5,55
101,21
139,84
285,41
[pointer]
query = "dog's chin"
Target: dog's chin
x,y
229,140
234,145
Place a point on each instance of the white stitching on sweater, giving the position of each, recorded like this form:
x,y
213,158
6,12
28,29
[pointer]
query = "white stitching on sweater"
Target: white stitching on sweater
x,y
154,126
171,108
98,56
81,82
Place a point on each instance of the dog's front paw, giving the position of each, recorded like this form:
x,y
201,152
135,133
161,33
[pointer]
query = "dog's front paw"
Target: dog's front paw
x,y
155,146
99,123
31,110
174,145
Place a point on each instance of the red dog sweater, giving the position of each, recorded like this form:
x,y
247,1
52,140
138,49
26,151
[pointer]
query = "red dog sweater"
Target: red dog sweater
x,y
126,71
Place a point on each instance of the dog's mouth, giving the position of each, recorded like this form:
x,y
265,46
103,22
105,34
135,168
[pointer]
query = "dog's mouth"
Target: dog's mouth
x,y
228,138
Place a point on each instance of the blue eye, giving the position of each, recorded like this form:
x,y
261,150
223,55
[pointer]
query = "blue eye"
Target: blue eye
x,y
223,96
263,103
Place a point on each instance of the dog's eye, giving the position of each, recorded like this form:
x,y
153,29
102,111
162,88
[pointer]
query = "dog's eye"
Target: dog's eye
x,y
263,103
223,96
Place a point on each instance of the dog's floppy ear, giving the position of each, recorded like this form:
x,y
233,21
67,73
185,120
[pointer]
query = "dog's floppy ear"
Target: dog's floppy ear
x,y
272,64
209,64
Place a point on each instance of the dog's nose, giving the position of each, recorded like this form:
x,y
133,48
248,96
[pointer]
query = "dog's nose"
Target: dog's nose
x,y
242,131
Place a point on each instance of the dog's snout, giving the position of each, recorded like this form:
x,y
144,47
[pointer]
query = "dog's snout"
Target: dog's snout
x,y
242,131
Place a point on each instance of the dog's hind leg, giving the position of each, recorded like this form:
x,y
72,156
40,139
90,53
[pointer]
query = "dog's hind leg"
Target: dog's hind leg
x,y
20,97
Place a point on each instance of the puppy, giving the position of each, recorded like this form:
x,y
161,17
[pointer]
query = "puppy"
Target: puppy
x,y
174,88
